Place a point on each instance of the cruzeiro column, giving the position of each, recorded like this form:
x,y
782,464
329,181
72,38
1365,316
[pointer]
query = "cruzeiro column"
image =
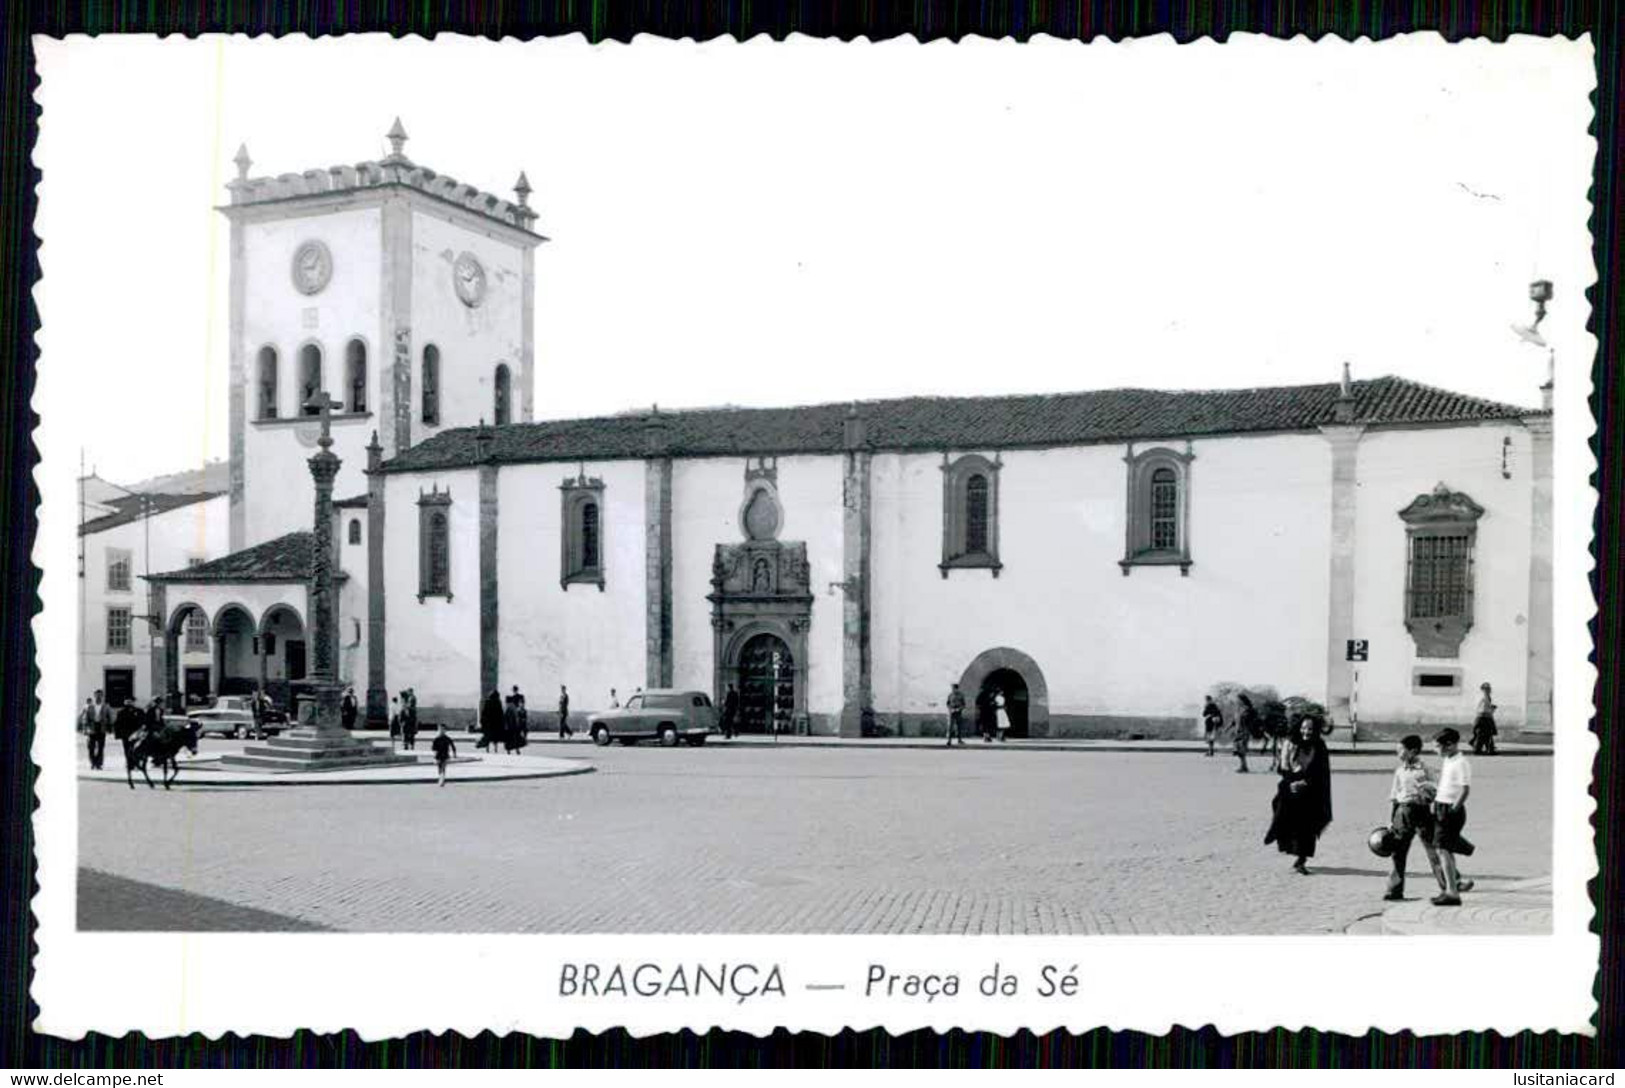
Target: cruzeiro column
x,y
319,702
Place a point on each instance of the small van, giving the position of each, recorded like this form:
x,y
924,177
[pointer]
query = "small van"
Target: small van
x,y
662,714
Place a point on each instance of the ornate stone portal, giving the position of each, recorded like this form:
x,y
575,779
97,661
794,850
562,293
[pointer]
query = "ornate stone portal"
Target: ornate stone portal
x,y
761,608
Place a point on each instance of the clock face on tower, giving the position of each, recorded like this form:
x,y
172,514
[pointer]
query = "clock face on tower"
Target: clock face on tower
x,y
312,267
468,276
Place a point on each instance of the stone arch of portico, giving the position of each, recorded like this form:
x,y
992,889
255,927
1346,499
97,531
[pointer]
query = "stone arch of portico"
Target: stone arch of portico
x,y
174,628
232,620
991,661
279,688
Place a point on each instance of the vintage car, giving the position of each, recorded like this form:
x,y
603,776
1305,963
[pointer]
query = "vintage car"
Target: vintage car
x,y
233,716
662,714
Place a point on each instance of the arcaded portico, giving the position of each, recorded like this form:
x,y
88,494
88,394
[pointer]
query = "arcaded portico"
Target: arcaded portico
x,y
249,609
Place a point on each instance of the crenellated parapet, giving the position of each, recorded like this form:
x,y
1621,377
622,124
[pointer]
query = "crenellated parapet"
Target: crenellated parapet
x,y
394,170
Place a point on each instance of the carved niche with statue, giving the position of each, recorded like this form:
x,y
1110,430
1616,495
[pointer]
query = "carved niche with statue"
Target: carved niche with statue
x,y
761,595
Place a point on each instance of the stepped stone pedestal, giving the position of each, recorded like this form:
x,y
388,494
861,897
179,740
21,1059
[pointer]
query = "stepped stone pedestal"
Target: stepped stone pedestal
x,y
318,743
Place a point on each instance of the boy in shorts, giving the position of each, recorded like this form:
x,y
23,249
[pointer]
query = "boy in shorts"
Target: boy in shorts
x,y
1450,815
1411,817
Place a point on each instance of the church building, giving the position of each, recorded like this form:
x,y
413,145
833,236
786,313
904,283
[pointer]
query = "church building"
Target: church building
x,y
1101,558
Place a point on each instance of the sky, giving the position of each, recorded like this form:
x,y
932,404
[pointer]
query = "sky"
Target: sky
x,y
801,222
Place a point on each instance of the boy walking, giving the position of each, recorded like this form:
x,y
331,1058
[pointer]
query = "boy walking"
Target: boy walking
x,y
444,748
1450,815
1412,815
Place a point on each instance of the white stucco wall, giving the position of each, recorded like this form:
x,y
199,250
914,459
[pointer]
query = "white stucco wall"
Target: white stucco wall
x,y
433,646
576,635
196,531
472,340
1394,468
1253,608
278,492
706,498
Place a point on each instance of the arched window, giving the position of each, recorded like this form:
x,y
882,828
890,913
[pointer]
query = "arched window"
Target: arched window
x,y
355,530
310,377
970,514
439,553
581,547
1158,509
355,375
434,544
1164,509
268,382
499,410
431,385
976,515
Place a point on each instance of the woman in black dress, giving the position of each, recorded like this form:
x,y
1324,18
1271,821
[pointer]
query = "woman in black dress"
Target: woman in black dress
x,y
1303,801
491,722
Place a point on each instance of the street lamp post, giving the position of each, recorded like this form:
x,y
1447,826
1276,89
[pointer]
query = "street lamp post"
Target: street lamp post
x,y
1538,674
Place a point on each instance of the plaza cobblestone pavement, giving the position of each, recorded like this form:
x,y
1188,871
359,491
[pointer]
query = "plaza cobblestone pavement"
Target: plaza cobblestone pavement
x,y
748,839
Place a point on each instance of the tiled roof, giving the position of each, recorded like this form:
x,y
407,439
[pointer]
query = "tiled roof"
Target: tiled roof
x,y
351,503
285,559
128,508
944,423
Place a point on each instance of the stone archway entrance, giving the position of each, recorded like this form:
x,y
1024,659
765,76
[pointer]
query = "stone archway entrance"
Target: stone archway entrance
x,y
767,684
1025,690
1010,684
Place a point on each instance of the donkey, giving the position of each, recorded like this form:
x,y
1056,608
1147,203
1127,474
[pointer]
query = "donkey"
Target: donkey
x,y
162,747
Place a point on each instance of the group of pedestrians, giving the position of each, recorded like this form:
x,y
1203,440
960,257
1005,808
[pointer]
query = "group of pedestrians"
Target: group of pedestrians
x,y
1422,807
992,715
1433,811
98,718
403,718
504,721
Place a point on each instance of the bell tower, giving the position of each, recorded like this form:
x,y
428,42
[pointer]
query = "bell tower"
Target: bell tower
x,y
404,295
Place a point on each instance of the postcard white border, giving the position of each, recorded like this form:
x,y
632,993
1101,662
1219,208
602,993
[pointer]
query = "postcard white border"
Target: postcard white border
x,y
385,985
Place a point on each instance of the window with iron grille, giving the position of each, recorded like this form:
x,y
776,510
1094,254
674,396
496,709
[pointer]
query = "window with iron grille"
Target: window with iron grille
x,y
197,632
589,534
434,544
976,515
118,630
1164,509
1441,530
